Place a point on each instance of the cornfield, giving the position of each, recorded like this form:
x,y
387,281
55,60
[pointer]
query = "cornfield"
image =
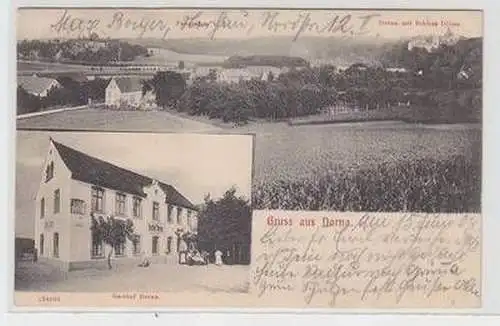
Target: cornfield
x,y
421,185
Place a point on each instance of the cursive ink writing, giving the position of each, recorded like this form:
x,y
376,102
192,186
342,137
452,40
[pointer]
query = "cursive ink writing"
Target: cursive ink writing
x,y
303,22
214,23
221,23
70,24
377,257
139,26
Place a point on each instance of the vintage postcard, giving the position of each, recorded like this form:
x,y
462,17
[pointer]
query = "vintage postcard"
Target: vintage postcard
x,y
249,158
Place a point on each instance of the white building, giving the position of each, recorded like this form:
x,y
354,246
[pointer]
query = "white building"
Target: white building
x,y
237,74
124,91
75,185
38,86
431,43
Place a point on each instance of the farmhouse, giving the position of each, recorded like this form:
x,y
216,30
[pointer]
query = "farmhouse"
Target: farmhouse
x,y
75,186
124,91
38,86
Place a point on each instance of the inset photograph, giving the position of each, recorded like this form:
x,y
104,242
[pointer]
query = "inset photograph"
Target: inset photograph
x,y
116,212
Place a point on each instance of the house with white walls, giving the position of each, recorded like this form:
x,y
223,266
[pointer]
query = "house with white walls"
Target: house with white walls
x,y
74,187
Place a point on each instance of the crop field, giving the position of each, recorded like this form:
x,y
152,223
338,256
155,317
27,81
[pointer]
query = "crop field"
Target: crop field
x,y
369,167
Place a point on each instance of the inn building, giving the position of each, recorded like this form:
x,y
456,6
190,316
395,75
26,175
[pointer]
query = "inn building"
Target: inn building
x,y
75,186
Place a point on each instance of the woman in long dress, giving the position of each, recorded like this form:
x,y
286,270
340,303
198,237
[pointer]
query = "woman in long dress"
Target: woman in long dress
x,y
218,257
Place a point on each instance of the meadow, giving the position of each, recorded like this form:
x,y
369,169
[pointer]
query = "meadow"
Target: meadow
x,y
379,166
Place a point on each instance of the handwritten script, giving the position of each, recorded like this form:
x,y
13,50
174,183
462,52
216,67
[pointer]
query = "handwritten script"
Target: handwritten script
x,y
212,23
367,259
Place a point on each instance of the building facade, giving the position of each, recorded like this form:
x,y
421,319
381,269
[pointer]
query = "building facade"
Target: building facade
x,y
124,91
76,187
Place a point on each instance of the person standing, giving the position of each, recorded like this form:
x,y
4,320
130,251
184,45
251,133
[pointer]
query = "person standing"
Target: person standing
x,y
218,257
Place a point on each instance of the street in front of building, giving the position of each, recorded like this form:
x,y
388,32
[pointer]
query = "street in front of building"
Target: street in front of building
x,y
155,278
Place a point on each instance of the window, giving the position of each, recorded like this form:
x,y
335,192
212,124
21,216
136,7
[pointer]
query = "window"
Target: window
x,y
97,248
179,212
120,249
49,172
154,246
137,244
42,208
77,206
156,211
120,204
57,201
169,245
41,244
136,207
97,199
56,245
169,213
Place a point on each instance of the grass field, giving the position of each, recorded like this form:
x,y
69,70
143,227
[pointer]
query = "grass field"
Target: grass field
x,y
288,152
369,167
109,120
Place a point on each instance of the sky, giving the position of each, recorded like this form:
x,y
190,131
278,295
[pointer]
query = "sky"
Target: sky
x,y
194,164
182,23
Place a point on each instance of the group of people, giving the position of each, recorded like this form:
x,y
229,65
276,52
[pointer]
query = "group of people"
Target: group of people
x,y
196,257
192,257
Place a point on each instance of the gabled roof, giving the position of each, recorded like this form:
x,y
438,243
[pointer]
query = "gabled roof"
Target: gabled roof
x,y
129,84
35,84
97,172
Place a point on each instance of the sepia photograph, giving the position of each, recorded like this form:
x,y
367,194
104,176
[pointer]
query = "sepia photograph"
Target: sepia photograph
x,y
106,212
346,143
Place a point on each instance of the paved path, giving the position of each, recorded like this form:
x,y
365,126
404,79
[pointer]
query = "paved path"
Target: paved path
x,y
109,120
156,278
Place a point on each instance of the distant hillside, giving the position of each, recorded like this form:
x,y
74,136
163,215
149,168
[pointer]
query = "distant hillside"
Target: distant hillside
x,y
317,50
338,50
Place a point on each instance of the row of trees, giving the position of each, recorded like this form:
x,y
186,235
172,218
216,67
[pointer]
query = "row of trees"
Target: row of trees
x,y
95,52
72,93
441,87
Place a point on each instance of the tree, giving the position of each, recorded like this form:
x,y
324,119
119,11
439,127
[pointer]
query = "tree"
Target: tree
x,y
168,87
225,224
270,76
212,75
26,102
112,232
